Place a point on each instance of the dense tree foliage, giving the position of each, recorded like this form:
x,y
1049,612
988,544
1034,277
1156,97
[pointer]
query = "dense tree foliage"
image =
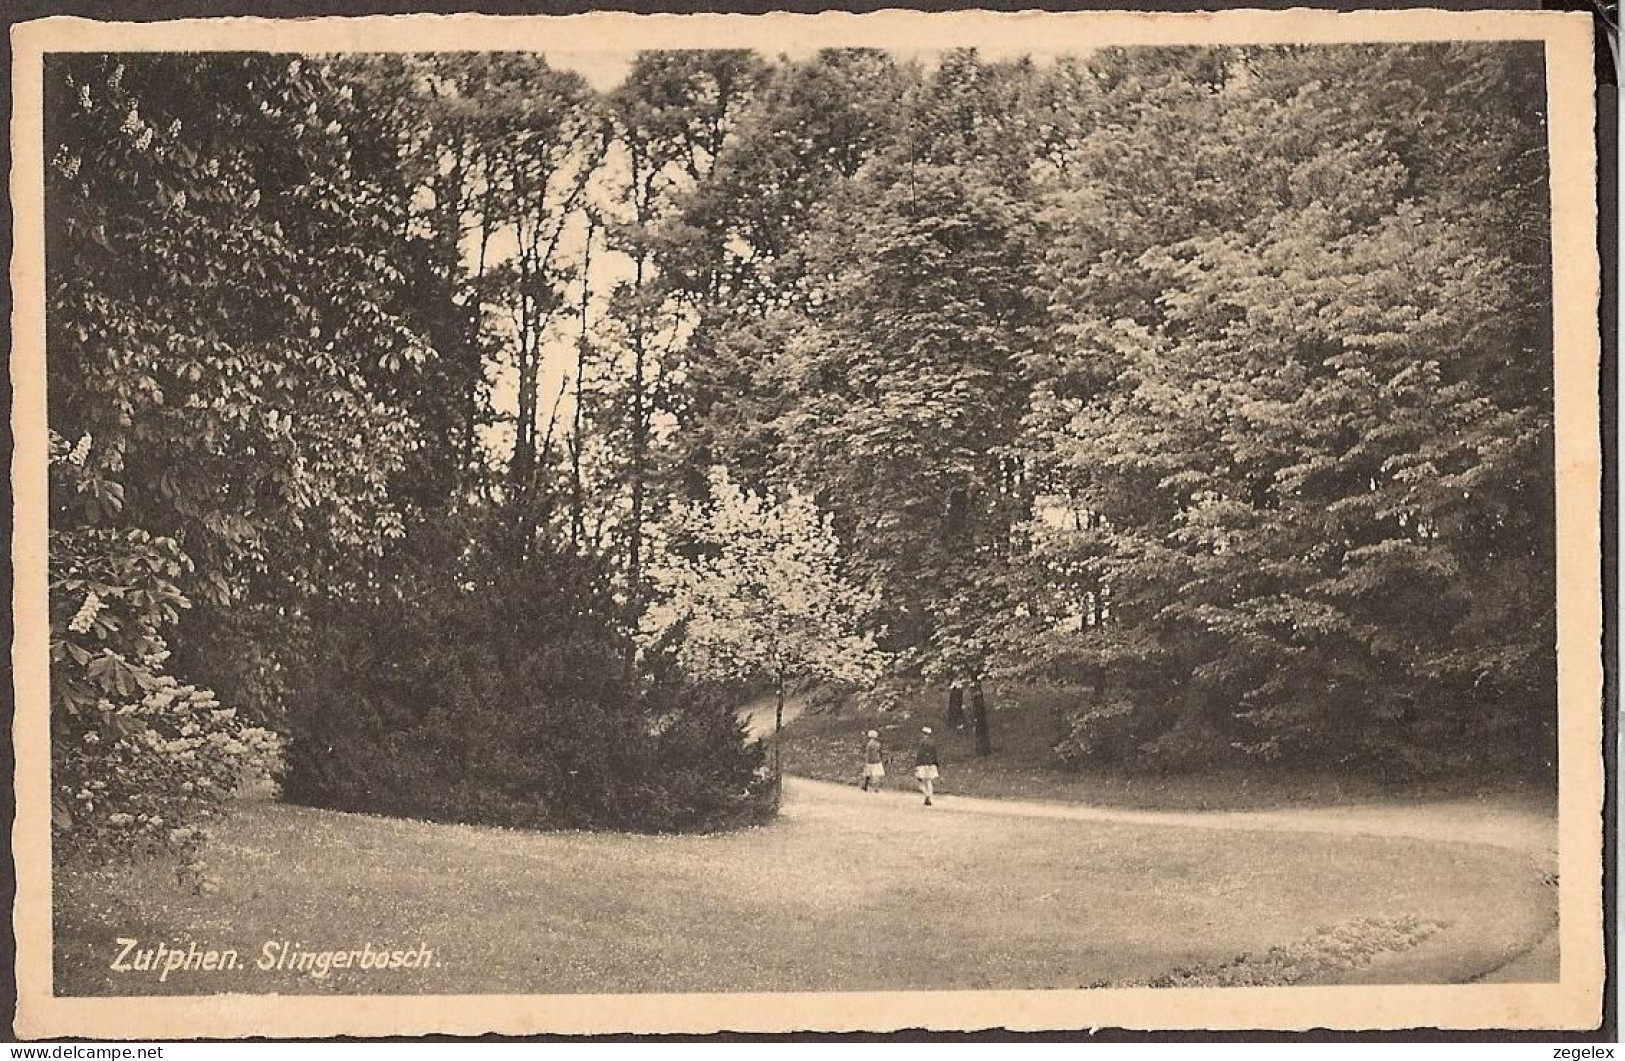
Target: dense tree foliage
x,y
223,329
385,393
1306,443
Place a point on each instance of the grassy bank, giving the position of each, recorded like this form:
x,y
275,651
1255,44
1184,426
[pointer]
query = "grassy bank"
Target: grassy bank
x,y
845,892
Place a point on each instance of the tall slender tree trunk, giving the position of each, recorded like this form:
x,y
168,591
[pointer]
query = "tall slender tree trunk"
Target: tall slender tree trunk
x,y
955,718
476,359
634,560
642,194
544,502
524,447
778,727
634,534
577,492
978,708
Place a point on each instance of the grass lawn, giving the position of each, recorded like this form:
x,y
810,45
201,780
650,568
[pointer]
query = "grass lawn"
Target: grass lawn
x,y
844,892
1025,724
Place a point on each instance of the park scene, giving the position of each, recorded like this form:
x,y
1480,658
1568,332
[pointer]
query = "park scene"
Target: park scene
x,y
822,520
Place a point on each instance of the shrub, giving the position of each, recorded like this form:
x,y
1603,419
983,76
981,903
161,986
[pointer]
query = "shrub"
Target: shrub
x,y
1097,730
145,774
495,690
833,697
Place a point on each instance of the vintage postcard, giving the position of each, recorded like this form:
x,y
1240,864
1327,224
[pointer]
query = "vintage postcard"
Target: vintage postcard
x,y
775,523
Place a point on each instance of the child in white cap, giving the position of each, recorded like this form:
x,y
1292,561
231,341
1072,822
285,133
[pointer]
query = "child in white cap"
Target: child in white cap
x,y
925,763
873,768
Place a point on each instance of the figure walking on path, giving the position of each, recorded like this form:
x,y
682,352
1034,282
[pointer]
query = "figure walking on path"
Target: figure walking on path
x,y
925,763
873,768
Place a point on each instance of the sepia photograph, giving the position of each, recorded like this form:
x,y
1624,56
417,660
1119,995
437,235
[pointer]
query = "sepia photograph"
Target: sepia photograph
x,y
806,523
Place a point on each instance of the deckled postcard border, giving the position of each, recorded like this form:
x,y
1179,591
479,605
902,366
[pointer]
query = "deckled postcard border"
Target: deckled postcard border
x,y
1574,1002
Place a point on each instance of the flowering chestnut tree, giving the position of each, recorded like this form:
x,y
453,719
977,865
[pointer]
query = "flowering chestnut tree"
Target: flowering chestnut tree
x,y
139,758
750,589
228,359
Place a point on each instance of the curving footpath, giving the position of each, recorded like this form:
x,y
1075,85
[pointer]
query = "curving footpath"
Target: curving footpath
x,y
1523,830
1462,822
1527,957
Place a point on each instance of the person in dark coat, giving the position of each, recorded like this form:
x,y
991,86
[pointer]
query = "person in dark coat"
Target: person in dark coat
x,y
925,764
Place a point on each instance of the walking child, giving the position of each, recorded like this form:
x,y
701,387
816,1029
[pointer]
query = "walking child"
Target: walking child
x,y
925,763
873,768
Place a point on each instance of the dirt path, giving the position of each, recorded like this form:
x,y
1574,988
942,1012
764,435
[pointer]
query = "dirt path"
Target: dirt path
x,y
1464,821
1527,830
1509,827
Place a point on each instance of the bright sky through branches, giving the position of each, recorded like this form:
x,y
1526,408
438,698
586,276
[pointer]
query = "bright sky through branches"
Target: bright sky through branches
x,y
605,70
